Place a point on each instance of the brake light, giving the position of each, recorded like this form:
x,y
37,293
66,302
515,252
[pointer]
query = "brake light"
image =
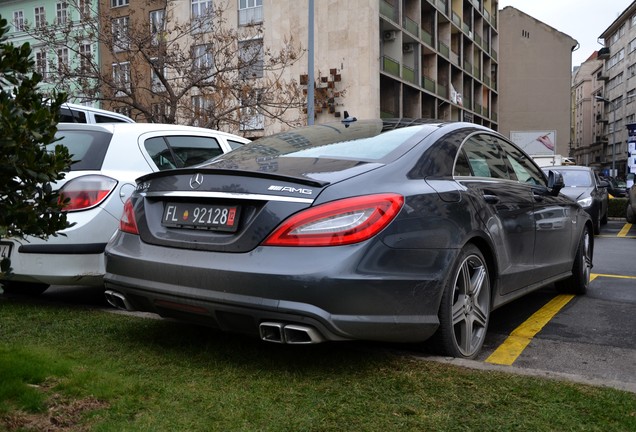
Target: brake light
x,y
127,223
86,192
346,221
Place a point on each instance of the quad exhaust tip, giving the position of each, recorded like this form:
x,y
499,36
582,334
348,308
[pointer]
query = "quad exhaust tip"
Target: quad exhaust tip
x,y
289,333
118,300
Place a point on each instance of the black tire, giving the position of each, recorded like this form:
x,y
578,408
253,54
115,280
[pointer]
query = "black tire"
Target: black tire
x,y
604,218
465,307
630,215
579,282
23,288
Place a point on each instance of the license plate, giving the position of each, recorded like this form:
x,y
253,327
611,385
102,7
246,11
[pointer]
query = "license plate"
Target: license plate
x,y
201,216
5,250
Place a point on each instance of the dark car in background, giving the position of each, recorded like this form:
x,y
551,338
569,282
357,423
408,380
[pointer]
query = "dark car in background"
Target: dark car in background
x,y
583,185
386,230
631,205
615,187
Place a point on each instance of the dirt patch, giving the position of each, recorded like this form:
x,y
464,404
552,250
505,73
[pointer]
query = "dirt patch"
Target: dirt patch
x,y
61,416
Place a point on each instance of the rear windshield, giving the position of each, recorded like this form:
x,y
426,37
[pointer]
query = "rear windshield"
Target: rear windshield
x,y
87,148
364,141
181,151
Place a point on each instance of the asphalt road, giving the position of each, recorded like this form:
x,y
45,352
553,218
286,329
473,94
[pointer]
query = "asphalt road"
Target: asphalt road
x,y
590,339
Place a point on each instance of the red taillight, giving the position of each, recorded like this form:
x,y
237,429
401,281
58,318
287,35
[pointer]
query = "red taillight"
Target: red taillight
x,y
127,223
86,192
341,222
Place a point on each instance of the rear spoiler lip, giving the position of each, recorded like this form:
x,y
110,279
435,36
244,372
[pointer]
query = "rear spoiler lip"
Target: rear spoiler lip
x,y
242,173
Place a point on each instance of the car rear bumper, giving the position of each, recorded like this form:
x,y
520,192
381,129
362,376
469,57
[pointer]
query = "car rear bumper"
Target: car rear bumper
x,y
74,257
329,289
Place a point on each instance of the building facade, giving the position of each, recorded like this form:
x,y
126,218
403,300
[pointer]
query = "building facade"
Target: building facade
x,y
615,101
535,78
587,134
391,58
438,59
27,18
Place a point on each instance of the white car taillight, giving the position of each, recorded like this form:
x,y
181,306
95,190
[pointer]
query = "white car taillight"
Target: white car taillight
x,y
86,192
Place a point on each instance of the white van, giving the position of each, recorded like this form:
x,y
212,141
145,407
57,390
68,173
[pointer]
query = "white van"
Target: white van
x,y
75,113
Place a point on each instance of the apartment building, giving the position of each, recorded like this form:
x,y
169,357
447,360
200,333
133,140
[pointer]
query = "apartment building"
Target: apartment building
x,y
588,140
535,81
615,96
438,59
29,17
391,58
398,58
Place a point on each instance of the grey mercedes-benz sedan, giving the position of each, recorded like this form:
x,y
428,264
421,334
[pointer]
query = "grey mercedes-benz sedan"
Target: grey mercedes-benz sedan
x,y
389,230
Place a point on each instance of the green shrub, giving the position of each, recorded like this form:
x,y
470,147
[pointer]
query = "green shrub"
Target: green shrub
x,y
617,207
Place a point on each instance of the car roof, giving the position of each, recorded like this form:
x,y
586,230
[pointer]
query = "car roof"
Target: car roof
x,y
568,167
146,127
87,108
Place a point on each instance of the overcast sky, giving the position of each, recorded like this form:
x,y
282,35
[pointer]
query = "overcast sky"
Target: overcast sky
x,y
583,20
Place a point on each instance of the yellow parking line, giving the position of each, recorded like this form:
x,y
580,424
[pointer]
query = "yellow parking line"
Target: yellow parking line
x,y
520,337
623,232
611,276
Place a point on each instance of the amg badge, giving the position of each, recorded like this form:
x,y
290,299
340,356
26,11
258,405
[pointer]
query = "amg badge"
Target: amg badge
x,y
290,189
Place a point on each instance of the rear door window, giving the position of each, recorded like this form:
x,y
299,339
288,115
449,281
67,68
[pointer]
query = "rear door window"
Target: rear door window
x,y
522,170
99,118
72,116
483,157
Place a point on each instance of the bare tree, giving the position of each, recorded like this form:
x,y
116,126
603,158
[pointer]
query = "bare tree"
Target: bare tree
x,y
159,67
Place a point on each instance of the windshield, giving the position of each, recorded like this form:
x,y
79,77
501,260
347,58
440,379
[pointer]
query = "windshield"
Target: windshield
x,y
577,178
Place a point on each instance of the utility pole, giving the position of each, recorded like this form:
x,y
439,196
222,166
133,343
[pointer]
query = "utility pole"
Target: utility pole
x,y
310,65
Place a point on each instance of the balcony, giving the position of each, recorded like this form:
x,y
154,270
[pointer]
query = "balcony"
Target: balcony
x,y
408,74
454,58
443,49
411,26
442,90
602,76
457,20
603,53
426,37
391,66
388,10
428,84
468,67
442,5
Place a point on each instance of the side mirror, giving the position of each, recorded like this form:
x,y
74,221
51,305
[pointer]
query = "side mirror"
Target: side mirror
x,y
555,182
603,184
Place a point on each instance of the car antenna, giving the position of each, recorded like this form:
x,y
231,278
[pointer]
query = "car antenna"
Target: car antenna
x,y
348,119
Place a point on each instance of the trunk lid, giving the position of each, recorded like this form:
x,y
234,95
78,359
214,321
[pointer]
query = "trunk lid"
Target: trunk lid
x,y
231,210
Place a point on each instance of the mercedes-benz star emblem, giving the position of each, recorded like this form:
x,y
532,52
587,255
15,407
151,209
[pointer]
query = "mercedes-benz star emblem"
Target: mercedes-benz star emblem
x,y
196,181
